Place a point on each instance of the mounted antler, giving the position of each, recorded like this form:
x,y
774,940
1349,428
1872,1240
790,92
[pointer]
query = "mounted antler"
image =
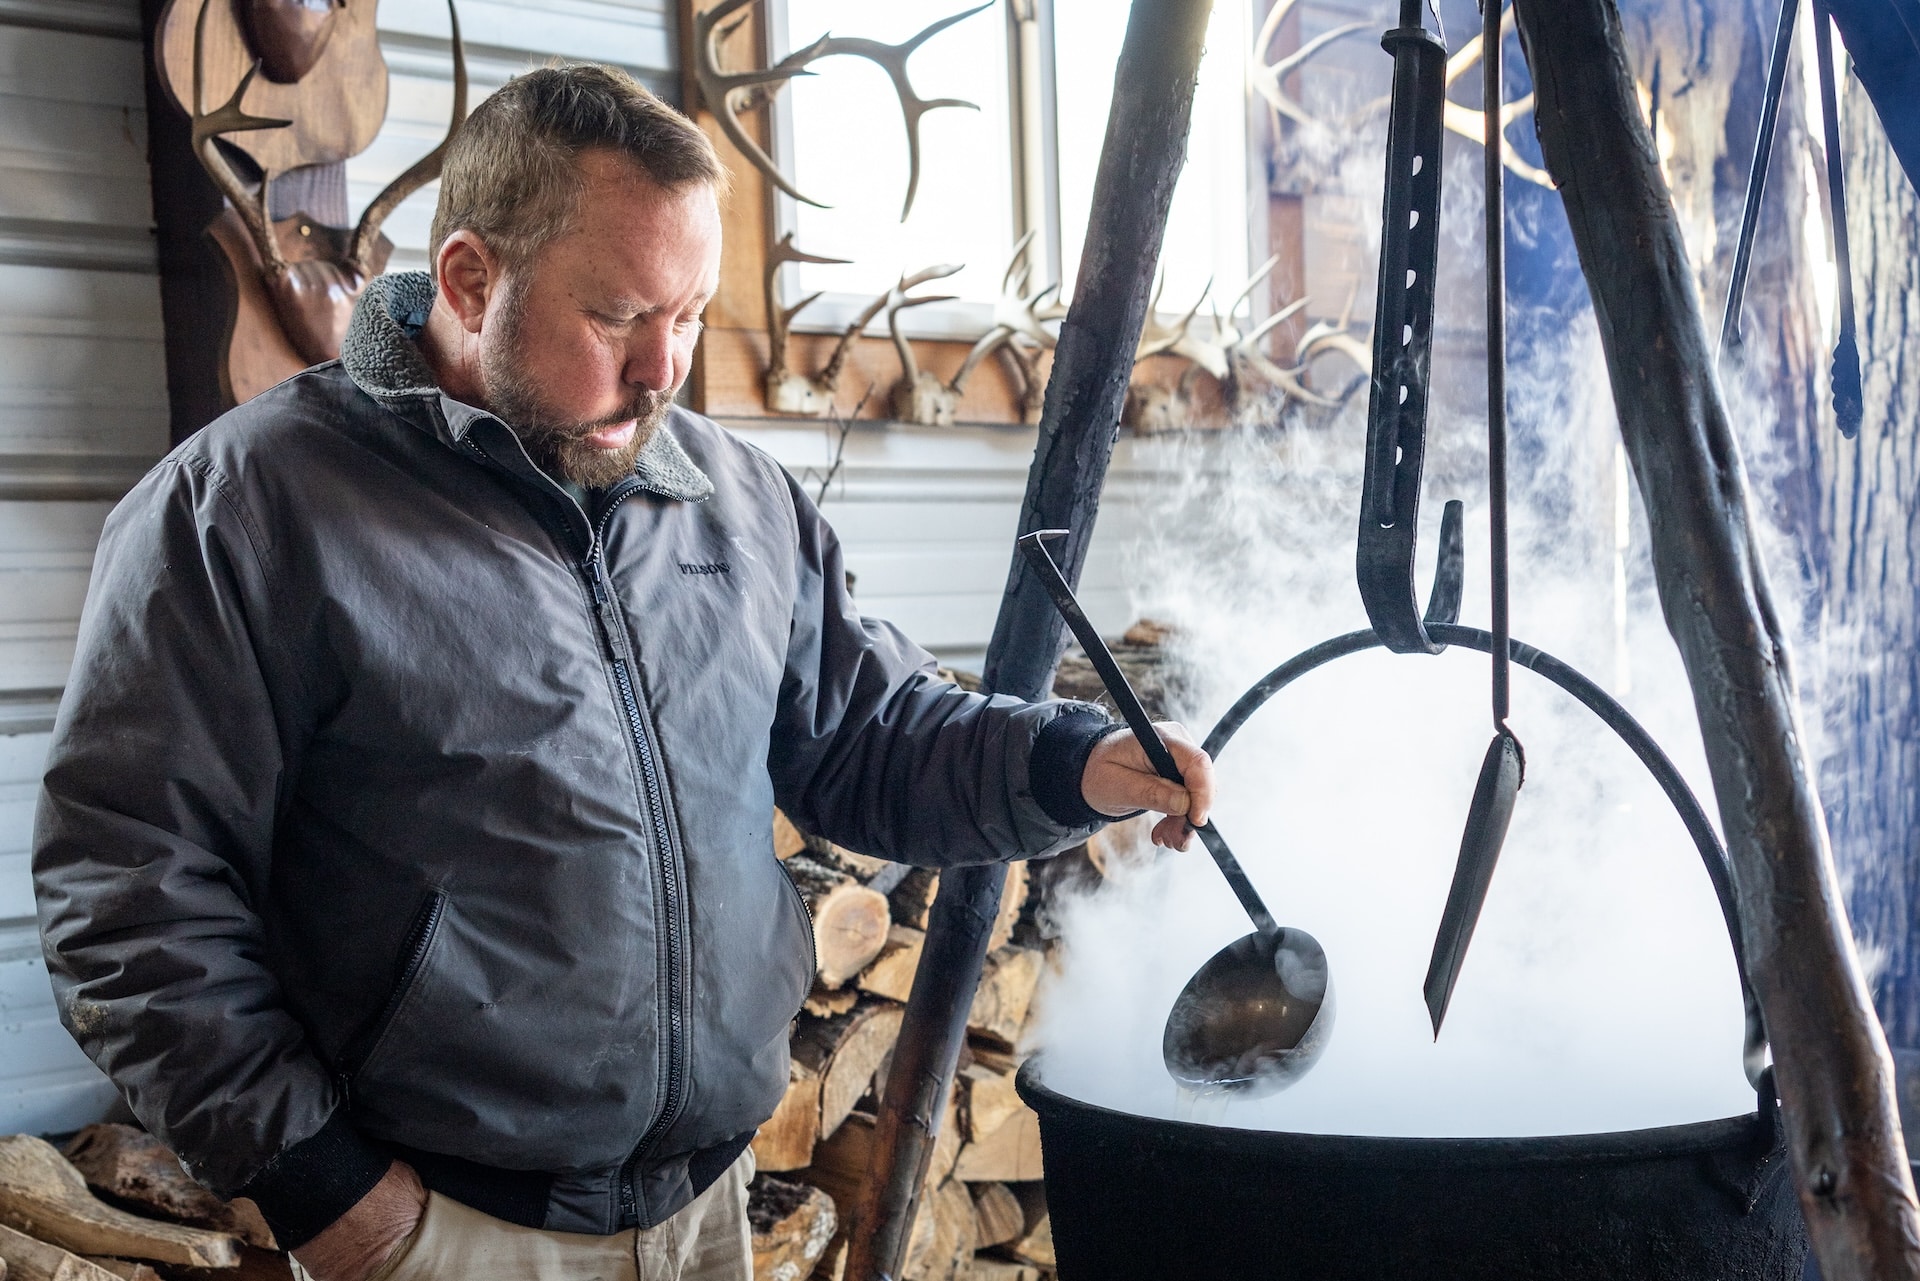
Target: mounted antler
x,y
728,93
788,392
1178,339
1234,359
1469,123
919,397
1322,336
229,118
360,250
1266,77
1019,329
312,289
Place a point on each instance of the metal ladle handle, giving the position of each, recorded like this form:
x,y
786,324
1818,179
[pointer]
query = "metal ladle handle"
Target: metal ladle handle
x,y
1033,547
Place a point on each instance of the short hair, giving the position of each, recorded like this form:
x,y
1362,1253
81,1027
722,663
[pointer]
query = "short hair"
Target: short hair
x,y
512,173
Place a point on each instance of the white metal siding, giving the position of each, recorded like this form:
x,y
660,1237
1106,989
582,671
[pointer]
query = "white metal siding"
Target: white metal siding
x,y
82,413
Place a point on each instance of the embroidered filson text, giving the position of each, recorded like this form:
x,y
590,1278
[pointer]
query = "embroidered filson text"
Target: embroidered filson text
x,y
711,567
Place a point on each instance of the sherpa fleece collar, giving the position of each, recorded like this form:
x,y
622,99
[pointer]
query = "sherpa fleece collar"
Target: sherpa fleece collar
x,y
383,362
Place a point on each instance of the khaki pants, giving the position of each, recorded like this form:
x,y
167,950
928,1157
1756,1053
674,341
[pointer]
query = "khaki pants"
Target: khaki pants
x,y
707,1241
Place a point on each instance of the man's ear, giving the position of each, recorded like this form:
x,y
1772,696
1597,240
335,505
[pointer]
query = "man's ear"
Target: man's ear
x,y
467,273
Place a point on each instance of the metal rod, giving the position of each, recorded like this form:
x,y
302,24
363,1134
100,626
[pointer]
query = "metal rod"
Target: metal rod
x,y
1492,94
1849,399
1757,176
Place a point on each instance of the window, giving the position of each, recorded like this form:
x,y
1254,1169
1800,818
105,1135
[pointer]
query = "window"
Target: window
x,y
1041,72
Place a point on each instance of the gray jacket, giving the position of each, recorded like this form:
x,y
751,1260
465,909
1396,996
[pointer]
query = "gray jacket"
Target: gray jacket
x,y
397,804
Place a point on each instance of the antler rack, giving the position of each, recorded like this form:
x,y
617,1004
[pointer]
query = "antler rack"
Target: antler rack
x,y
727,93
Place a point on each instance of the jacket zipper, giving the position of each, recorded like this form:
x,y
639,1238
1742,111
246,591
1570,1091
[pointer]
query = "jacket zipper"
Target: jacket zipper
x,y
419,941
619,642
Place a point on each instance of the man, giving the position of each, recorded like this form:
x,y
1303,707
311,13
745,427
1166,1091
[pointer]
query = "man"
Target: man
x,y
407,824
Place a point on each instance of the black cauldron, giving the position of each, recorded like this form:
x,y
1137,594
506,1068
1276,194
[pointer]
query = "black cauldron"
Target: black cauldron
x,y
1141,1198
1138,1197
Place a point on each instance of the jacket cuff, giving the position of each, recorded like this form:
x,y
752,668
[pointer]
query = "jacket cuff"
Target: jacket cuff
x,y
302,1191
1059,761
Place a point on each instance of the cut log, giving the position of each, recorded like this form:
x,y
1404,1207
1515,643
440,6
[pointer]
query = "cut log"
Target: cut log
x,y
825,1003
993,1058
1012,899
787,839
947,1250
792,1224
911,899
43,1195
255,1265
861,867
833,1264
31,1259
986,1099
130,1168
849,920
125,1269
845,1051
1010,1154
1005,994
891,974
997,1216
987,1268
1035,1245
786,1141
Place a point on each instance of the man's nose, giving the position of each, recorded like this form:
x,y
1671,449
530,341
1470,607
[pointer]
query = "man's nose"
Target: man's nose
x,y
650,358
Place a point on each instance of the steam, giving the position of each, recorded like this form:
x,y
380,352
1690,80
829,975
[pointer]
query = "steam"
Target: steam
x,y
1599,992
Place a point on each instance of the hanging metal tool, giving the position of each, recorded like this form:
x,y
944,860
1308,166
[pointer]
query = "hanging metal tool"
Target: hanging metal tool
x,y
1505,767
1847,396
1403,352
1256,1017
1849,400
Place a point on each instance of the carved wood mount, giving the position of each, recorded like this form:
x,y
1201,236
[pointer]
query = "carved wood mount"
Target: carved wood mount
x,y
288,36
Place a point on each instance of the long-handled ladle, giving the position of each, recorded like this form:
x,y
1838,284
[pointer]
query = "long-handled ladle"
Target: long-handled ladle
x,y
1257,1015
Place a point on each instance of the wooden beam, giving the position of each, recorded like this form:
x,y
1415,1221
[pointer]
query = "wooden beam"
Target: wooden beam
x,y
1834,1074
1140,161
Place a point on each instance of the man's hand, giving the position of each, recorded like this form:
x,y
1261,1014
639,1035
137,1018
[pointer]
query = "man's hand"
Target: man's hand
x,y
1119,779
356,1244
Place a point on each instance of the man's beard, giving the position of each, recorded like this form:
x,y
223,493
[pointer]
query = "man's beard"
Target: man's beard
x,y
559,446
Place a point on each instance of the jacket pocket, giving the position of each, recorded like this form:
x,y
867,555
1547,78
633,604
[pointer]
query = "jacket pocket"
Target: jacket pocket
x,y
414,951
813,940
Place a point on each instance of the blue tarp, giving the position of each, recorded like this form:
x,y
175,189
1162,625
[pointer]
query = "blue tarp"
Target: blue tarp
x,y
1883,39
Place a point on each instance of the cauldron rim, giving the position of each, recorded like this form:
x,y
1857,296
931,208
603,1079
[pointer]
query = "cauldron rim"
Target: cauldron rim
x,y
1718,1134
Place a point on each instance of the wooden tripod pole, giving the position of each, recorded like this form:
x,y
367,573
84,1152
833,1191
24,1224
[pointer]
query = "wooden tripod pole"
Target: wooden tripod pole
x,y
1145,148
1834,1074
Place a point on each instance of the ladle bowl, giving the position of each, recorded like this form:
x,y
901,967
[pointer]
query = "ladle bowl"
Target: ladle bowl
x,y
1254,1019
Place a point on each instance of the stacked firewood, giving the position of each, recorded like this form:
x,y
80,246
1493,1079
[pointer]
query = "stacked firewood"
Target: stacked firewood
x,y
117,1204
982,1216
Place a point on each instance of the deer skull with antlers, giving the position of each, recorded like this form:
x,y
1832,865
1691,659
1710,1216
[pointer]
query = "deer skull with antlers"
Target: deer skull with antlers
x,y
312,287
728,93
789,392
1234,359
919,397
1019,330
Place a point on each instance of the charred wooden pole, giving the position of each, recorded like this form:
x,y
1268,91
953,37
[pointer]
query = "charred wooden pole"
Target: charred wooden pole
x,y
1834,1074
1145,148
